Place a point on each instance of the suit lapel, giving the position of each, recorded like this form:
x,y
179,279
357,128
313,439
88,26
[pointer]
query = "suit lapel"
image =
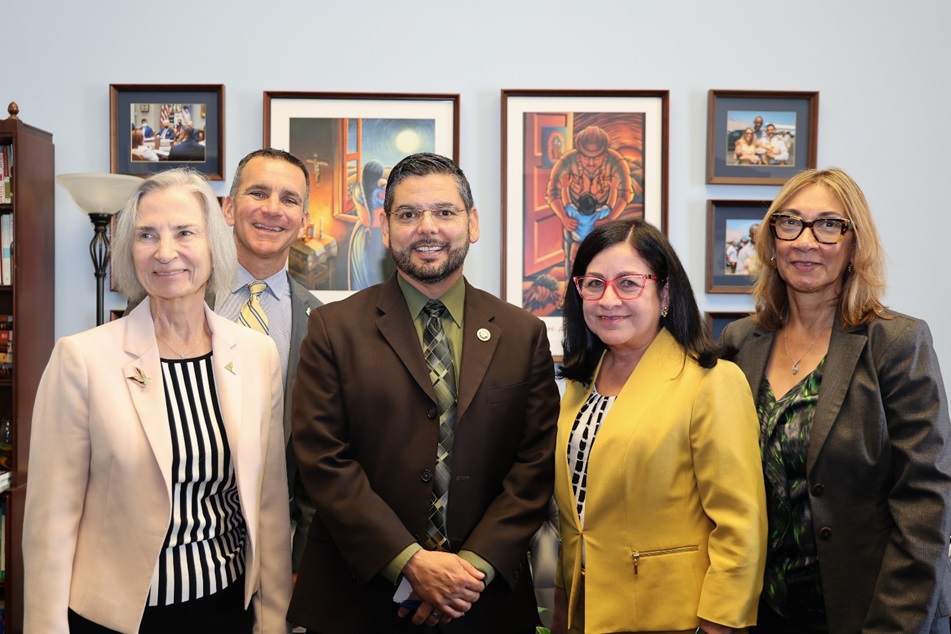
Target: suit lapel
x,y
477,351
228,379
144,381
845,347
396,325
754,356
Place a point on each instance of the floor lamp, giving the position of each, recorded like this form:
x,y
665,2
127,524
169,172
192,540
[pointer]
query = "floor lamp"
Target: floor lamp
x,y
101,196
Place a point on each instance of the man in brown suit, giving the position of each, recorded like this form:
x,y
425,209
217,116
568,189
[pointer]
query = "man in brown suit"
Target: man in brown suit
x,y
366,433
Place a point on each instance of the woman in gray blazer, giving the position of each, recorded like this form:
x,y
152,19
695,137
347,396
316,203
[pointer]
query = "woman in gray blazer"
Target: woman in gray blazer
x,y
855,435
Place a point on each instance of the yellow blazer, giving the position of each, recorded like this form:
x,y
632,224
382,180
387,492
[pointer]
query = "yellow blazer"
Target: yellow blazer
x,y
98,500
675,514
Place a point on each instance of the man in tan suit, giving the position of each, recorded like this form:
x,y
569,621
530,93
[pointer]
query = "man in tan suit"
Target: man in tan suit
x,y
367,429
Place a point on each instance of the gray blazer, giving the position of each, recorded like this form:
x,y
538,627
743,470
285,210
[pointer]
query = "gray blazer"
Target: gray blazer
x,y
879,472
302,509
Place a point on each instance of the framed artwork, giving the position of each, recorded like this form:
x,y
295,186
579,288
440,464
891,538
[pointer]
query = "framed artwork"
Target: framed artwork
x,y
349,142
760,138
717,321
163,126
572,159
731,249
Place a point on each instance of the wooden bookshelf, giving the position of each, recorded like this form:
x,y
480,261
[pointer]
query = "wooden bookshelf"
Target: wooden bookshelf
x,y
30,299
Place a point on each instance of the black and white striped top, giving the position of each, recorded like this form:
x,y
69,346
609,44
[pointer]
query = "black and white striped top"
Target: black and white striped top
x,y
583,432
204,547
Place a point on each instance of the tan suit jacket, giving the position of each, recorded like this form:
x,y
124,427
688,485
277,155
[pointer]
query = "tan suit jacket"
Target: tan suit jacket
x,y
675,513
98,500
365,432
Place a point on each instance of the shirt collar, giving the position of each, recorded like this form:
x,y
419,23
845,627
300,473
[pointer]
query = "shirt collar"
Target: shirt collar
x,y
454,299
277,284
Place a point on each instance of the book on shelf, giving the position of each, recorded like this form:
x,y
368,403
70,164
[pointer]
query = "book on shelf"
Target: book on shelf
x,y
6,167
6,249
5,479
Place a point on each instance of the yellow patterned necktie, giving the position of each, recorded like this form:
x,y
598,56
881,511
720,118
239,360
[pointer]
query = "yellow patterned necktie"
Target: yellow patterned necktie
x,y
252,313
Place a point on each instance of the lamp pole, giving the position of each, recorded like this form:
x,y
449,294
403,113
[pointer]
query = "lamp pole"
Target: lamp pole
x,y
99,252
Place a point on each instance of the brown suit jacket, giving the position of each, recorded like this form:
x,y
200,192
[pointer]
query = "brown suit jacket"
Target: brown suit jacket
x,y
365,434
879,472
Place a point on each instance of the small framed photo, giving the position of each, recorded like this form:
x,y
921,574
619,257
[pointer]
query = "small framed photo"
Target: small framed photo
x,y
731,248
760,138
350,142
572,159
157,127
717,321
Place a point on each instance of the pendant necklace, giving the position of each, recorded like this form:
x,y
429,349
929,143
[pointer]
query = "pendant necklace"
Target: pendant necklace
x,y
795,362
182,356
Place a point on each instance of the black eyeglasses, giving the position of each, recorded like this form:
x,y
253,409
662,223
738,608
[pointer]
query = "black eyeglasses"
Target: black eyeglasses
x,y
788,227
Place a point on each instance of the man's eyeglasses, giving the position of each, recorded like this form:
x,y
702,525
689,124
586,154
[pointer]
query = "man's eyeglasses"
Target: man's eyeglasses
x,y
825,230
412,217
627,287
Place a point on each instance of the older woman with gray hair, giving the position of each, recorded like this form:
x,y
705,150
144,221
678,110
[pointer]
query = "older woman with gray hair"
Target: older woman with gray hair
x,y
158,496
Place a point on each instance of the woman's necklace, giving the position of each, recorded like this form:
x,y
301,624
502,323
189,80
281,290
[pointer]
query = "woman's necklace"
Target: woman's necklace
x,y
795,362
182,356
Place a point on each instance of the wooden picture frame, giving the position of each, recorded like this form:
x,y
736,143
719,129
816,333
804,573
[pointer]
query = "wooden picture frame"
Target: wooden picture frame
x,y
349,142
716,321
734,157
540,140
198,107
729,225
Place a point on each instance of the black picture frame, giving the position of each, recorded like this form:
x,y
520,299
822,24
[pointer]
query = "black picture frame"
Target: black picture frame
x,y
725,218
205,106
731,111
717,321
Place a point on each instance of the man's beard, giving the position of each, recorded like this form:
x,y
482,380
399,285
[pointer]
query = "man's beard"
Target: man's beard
x,y
429,273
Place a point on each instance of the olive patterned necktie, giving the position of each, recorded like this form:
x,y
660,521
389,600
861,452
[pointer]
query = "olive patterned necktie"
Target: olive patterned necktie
x,y
442,374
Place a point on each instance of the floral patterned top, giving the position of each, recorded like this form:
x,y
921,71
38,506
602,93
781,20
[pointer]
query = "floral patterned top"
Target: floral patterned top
x,y
791,586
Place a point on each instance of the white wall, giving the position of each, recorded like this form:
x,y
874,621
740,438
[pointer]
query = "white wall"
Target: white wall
x,y
880,66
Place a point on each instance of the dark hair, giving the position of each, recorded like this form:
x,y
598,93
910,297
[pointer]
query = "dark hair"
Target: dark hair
x,y
424,164
582,349
372,172
271,153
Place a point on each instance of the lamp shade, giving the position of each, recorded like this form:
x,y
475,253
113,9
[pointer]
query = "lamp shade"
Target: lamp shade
x,y
99,193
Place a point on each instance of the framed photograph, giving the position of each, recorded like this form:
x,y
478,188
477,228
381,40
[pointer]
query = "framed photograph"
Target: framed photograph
x,y
349,142
572,159
760,138
717,321
731,249
153,128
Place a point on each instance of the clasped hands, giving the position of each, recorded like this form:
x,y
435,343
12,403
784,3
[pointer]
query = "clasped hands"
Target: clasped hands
x,y
445,584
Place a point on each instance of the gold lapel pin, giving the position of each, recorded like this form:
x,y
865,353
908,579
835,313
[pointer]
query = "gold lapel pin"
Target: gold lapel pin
x,y
483,334
140,378
230,368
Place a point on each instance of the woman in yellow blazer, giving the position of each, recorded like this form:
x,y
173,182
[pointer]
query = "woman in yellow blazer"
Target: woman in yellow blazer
x,y
658,483
157,499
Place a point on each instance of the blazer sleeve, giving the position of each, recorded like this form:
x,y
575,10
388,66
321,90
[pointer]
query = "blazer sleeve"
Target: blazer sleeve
x,y
273,596
59,472
502,535
724,441
919,431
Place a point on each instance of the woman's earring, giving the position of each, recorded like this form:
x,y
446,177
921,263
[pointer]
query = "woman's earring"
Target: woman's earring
x,y
663,312
772,259
849,269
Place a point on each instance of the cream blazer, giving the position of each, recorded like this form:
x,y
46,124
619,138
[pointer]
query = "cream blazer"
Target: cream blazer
x,y
98,500
675,514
